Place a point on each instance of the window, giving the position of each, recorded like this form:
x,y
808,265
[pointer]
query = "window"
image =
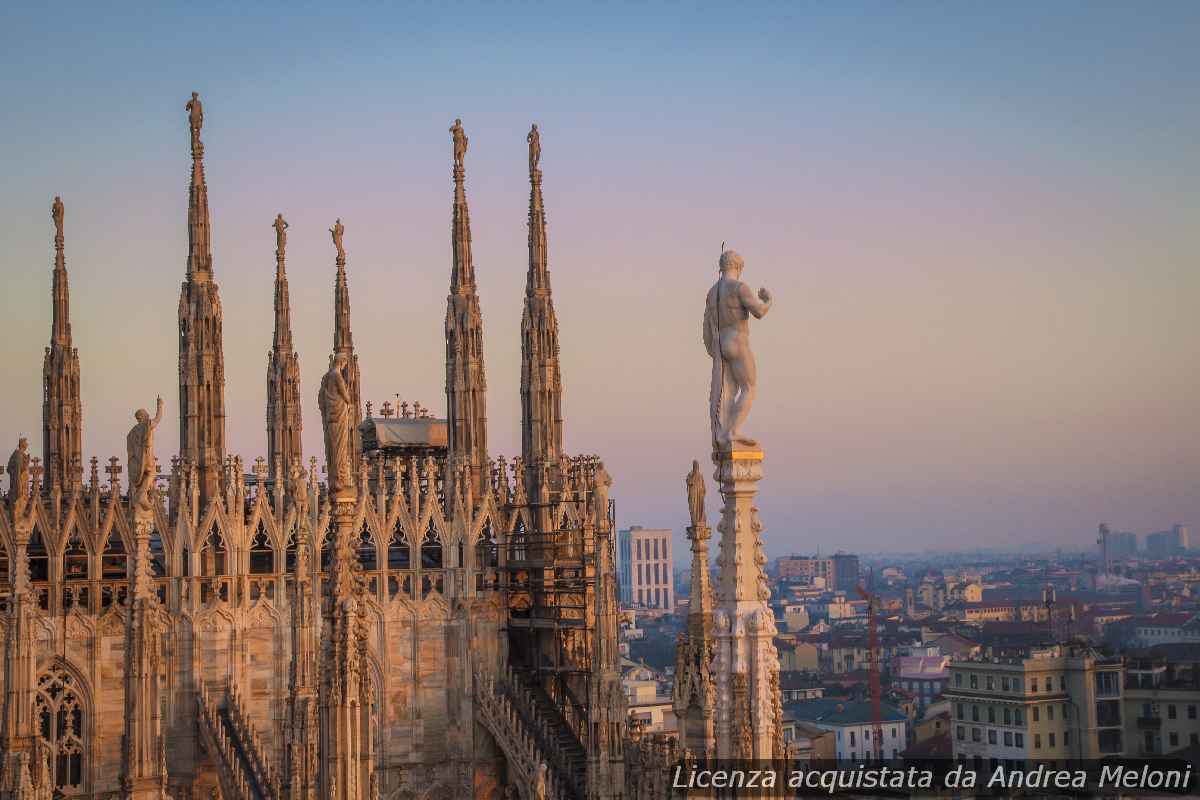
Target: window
x,y
59,721
1051,739
893,731
1171,713
1066,738
1037,741
1062,683
1191,712
639,549
1066,710
991,736
1017,720
1019,739
1174,739
852,742
1194,738
974,713
992,715
976,735
1050,713
1106,684
1146,711
990,684
974,681
1036,714
1008,716
960,715
962,733
1008,738
1033,685
958,679
1017,684
1049,683
1004,683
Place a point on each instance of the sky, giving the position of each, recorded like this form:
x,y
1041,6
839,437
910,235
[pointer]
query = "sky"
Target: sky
x,y
980,223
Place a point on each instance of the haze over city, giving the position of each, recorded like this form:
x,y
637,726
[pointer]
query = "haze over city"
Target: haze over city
x,y
980,234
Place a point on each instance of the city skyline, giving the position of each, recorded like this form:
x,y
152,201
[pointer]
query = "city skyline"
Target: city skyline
x,y
983,329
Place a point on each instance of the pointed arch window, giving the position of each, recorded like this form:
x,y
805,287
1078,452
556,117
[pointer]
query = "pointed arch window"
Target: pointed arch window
x,y
212,554
262,552
114,562
4,569
158,555
61,719
368,556
486,552
39,559
431,549
399,552
327,546
75,559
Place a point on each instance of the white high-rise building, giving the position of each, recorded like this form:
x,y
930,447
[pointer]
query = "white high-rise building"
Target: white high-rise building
x,y
646,562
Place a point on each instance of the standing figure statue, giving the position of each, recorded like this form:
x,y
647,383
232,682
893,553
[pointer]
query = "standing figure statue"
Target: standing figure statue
x,y
280,225
695,492
337,230
195,115
140,446
540,788
56,211
18,474
727,312
460,142
337,420
535,148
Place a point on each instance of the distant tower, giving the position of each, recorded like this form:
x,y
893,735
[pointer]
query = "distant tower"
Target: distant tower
x,y
541,378
283,372
201,360
466,410
62,411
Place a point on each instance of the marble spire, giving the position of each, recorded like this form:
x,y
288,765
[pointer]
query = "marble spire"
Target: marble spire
x,y
201,357
695,692
62,410
343,338
284,425
466,386
541,378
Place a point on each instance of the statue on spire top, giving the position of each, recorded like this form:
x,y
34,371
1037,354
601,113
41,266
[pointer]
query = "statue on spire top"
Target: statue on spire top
x,y
337,230
460,142
280,225
535,148
56,211
195,115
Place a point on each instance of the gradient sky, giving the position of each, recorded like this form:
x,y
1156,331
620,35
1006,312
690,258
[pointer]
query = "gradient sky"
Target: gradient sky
x,y
980,223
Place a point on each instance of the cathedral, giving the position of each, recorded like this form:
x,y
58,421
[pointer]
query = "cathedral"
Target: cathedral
x,y
426,621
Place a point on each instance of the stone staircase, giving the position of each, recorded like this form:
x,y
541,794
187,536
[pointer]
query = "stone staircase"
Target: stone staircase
x,y
531,733
246,772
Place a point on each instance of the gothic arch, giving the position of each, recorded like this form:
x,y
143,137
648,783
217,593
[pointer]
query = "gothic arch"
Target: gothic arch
x,y
64,722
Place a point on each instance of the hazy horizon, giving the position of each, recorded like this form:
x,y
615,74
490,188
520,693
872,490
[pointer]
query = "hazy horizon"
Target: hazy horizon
x,y
980,225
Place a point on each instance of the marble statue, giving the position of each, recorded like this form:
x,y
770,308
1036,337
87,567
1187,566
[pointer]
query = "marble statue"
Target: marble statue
x,y
195,114
603,483
280,225
337,420
56,211
540,788
337,230
535,148
695,492
460,142
140,446
18,473
727,312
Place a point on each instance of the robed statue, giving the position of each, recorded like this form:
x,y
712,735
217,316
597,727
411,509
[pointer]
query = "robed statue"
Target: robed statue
x,y
695,492
280,225
727,312
337,421
336,231
139,445
535,148
18,474
460,142
195,115
57,213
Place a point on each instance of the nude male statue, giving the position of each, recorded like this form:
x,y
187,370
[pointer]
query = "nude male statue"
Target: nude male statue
x,y
460,141
195,114
140,447
56,212
727,312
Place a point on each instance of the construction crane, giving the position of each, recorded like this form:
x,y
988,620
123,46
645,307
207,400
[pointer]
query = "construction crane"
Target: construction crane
x,y
876,690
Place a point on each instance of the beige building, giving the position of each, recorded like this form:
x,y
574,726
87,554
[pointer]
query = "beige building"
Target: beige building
x,y
646,568
1162,700
1058,703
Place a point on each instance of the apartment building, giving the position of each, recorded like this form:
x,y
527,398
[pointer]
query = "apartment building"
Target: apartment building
x,y
646,568
1162,699
1057,703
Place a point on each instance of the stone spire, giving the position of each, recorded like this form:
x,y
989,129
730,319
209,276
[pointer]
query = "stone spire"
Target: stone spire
x,y
283,372
201,360
466,411
541,378
694,694
62,411
343,339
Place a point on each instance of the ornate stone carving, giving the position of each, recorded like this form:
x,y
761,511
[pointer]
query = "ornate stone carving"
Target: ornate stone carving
x,y
337,231
18,474
337,420
695,492
535,148
460,142
727,338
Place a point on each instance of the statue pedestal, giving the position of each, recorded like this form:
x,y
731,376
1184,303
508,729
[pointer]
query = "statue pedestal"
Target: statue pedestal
x,y
745,663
